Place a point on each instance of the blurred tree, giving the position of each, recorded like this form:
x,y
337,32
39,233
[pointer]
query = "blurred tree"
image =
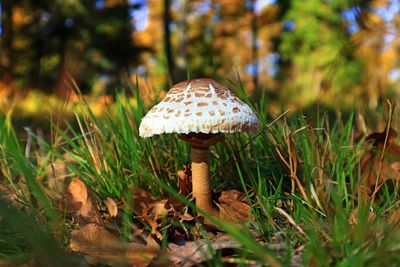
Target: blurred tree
x,y
378,48
53,43
316,55
212,38
154,63
6,54
182,25
254,42
300,51
167,43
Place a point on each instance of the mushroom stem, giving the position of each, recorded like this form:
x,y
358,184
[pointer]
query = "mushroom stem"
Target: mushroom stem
x,y
200,179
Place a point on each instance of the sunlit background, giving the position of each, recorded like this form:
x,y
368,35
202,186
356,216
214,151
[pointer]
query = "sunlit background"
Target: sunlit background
x,y
339,53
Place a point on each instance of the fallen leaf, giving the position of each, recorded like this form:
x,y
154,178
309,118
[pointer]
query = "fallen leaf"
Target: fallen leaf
x,y
142,202
185,180
378,138
149,209
80,201
378,164
159,210
111,207
233,206
99,245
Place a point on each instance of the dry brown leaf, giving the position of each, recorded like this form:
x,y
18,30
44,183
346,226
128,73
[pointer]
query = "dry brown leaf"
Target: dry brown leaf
x,y
142,202
111,207
99,245
152,211
378,139
158,210
80,201
234,207
149,209
379,164
146,206
185,180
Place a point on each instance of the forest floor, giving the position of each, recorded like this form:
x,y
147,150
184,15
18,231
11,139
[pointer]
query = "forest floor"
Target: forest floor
x,y
304,191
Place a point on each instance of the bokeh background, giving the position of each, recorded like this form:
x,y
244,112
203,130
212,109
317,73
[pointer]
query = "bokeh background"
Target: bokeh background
x,y
341,53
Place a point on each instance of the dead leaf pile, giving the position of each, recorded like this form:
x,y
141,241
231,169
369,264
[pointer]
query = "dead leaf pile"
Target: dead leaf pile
x,y
154,212
98,243
93,240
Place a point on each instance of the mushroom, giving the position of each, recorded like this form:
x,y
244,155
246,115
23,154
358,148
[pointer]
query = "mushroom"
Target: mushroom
x,y
200,110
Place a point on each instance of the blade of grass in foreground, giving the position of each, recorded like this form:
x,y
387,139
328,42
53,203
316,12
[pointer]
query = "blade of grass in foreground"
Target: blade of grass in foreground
x,y
32,239
11,150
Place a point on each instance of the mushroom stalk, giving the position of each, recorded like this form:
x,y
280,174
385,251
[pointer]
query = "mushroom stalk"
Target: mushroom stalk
x,y
202,192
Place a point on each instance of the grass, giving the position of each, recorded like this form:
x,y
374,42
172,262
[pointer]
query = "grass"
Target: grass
x,y
300,177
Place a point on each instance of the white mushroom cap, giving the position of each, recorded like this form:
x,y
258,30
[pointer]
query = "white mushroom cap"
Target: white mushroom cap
x,y
199,106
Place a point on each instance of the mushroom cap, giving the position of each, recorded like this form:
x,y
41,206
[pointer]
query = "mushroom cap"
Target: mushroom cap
x,y
199,106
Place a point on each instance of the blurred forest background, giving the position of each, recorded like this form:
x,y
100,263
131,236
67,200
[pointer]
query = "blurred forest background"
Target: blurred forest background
x,y
337,52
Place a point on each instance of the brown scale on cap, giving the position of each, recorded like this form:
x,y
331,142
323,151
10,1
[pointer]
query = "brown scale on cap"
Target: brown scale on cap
x,y
200,88
198,94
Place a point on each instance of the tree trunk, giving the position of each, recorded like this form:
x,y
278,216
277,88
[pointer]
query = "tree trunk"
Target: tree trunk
x,y
167,42
6,39
181,57
254,44
70,65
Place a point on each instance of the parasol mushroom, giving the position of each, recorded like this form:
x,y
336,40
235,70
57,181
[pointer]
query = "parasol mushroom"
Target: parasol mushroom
x,y
201,111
